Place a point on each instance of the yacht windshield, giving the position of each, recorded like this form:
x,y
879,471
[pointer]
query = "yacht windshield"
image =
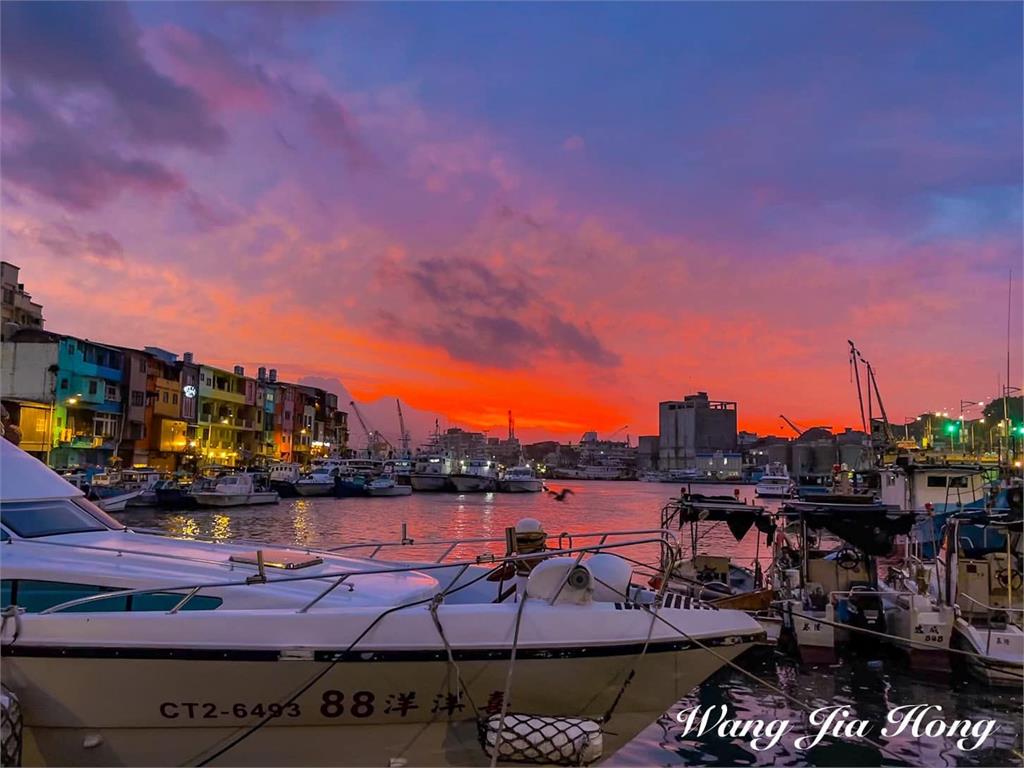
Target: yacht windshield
x,y
29,519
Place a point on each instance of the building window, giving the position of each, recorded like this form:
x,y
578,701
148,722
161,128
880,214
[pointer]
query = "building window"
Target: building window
x,y
166,398
92,387
142,365
63,383
110,393
174,399
138,399
105,424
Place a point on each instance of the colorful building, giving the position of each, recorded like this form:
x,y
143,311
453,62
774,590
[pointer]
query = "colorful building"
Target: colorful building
x,y
229,424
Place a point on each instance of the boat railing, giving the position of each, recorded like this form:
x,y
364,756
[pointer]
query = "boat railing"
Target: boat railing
x,y
344,577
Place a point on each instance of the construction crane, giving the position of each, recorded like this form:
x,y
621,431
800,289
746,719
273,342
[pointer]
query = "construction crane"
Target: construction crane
x,y
375,441
403,433
792,426
617,431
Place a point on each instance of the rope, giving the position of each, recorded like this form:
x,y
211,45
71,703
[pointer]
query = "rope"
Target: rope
x,y
508,683
460,686
11,612
756,678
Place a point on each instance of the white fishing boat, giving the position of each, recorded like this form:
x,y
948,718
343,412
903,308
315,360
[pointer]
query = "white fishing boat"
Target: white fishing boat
x,y
985,551
431,472
521,479
283,477
475,476
775,483
234,491
652,477
172,651
386,486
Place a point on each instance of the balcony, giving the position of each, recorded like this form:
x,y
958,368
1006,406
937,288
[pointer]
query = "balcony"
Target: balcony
x,y
103,442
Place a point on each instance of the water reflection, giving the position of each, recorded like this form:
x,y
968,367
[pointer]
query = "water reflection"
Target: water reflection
x,y
221,528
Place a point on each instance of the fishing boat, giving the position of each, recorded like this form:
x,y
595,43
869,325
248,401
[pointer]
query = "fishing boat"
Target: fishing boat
x,y
173,651
775,483
175,494
475,476
112,498
431,472
239,490
283,477
984,573
520,479
386,485
821,589
713,576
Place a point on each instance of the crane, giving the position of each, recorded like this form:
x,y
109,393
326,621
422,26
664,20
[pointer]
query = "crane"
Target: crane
x,y
792,426
617,431
403,434
375,441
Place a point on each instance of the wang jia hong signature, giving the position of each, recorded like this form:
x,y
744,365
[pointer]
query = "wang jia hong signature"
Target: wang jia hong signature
x,y
915,720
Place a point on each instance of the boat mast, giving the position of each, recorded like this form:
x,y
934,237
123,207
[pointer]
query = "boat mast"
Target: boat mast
x,y
856,373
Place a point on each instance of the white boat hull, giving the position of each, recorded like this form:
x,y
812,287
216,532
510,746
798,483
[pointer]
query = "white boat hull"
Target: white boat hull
x,y
998,653
117,503
235,499
429,482
773,493
472,483
314,489
526,485
172,702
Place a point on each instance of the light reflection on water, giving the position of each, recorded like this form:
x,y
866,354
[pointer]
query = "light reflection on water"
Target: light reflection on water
x,y
868,687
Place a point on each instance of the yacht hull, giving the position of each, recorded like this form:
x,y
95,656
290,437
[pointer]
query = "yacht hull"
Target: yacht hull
x,y
165,711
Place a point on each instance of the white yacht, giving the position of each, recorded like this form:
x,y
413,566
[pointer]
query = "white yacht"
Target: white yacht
x,y
234,491
431,472
385,485
775,483
521,479
130,648
475,476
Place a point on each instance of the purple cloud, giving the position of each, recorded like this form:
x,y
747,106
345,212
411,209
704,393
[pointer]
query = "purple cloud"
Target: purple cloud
x,y
96,46
53,158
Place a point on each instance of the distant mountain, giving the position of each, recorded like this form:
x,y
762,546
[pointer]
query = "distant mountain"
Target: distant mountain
x,y
380,414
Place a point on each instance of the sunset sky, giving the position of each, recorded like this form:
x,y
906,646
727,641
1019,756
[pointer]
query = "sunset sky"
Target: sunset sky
x,y
573,211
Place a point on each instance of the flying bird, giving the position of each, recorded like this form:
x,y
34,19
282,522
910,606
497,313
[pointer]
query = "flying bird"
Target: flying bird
x,y
559,495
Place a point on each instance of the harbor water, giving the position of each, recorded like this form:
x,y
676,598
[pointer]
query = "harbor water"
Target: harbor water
x,y
870,687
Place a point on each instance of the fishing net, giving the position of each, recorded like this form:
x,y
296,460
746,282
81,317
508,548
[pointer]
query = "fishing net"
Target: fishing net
x,y
542,740
10,728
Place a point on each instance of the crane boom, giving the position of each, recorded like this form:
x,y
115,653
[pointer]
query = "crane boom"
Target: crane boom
x,y
403,434
792,426
374,439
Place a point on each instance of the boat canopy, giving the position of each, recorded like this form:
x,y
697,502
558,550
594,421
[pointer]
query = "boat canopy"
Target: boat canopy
x,y
25,478
870,528
739,517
